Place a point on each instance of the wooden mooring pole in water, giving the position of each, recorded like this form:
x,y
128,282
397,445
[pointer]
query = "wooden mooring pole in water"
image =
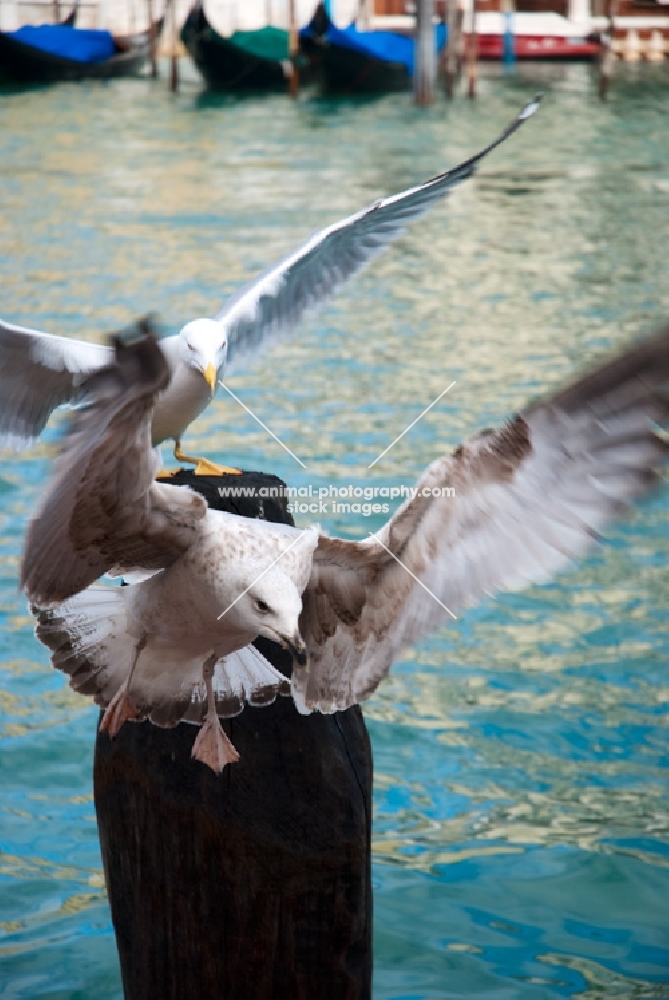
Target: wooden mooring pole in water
x,y
472,54
453,49
153,41
254,884
174,45
293,52
606,55
425,69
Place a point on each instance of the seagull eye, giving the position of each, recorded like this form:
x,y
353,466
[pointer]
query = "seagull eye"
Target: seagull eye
x,y
263,607
190,347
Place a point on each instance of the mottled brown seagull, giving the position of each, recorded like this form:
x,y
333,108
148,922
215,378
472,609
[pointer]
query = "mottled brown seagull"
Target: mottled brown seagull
x,y
530,498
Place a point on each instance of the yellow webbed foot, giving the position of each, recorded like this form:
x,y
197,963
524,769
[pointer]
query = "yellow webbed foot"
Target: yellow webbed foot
x,y
203,467
206,468
168,473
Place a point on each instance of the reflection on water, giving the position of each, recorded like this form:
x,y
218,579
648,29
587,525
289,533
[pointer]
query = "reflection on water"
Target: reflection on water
x,y
521,814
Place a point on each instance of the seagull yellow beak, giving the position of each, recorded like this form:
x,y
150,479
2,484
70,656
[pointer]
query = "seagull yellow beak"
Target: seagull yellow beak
x,y
210,377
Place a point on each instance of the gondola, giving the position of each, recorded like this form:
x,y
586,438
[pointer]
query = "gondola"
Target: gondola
x,y
352,61
53,53
245,60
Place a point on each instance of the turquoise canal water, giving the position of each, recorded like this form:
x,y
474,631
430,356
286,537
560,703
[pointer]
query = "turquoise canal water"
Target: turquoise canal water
x,y
521,827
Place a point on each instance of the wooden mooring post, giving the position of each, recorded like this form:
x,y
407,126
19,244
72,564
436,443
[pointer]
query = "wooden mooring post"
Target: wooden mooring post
x,y
254,884
472,54
293,52
153,41
174,46
174,72
606,54
453,51
425,68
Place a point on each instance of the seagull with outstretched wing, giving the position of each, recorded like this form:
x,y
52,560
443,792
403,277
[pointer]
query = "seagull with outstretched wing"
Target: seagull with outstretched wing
x,y
39,372
509,508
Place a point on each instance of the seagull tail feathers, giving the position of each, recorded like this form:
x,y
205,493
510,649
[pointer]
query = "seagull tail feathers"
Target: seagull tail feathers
x,y
91,640
88,639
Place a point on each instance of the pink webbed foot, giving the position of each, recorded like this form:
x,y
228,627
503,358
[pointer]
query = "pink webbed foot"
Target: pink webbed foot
x,y
118,711
212,747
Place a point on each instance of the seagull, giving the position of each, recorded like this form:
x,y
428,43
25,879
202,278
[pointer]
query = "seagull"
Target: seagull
x,y
39,372
509,508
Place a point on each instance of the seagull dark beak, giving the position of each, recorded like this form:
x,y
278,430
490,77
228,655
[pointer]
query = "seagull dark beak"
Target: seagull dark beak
x,y
210,377
297,647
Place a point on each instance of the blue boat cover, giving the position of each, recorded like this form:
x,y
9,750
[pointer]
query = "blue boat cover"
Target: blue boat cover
x,y
79,44
384,45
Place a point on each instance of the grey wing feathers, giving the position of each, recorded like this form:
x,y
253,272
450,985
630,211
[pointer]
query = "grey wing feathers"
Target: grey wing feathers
x,y
274,303
528,499
102,508
39,372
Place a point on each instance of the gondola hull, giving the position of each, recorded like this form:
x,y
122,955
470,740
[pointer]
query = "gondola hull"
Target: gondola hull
x,y
21,63
350,61
343,71
224,65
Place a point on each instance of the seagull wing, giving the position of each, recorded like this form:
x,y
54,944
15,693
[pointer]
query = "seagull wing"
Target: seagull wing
x,y
102,510
39,372
275,303
527,500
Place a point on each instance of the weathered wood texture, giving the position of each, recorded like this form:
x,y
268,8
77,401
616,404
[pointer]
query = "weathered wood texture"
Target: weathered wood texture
x,y
251,885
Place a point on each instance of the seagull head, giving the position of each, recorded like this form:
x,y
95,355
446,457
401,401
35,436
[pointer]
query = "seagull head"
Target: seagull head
x,y
204,347
271,607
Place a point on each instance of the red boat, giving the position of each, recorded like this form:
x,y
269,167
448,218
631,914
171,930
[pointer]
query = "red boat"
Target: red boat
x,y
533,36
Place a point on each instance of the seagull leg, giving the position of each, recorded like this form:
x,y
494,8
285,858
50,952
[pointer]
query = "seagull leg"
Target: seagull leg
x,y
121,708
203,467
212,747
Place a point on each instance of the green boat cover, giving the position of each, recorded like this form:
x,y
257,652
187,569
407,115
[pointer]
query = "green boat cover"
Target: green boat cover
x,y
266,43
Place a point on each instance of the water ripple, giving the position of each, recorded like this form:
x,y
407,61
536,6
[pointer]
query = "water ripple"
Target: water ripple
x,y
521,831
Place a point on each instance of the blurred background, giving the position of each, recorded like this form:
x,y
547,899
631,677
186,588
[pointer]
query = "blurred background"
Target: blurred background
x,y
521,825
